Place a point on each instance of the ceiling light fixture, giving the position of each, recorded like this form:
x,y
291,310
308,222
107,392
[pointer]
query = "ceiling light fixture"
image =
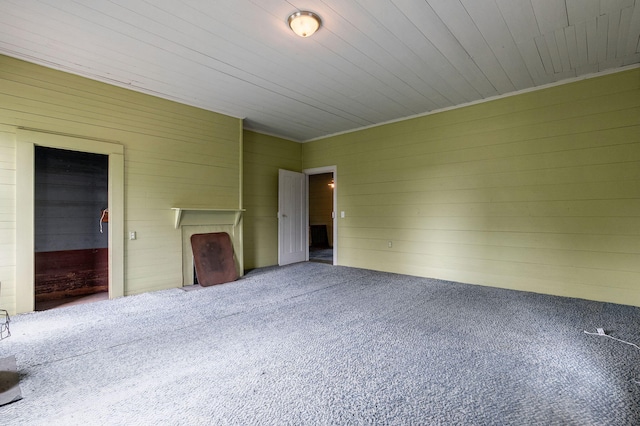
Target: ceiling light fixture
x,y
304,23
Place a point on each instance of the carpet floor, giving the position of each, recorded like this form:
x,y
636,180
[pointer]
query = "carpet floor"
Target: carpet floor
x,y
317,344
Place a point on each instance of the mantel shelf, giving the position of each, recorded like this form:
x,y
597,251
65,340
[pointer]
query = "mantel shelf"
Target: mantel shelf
x,y
237,213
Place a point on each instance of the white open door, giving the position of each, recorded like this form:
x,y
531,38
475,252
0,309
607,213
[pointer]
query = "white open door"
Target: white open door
x,y
292,217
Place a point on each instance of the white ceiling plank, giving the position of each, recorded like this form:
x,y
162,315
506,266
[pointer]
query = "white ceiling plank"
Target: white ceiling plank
x,y
550,40
550,14
633,59
429,24
564,75
161,37
489,21
520,18
587,69
623,32
521,21
390,62
633,37
563,50
613,34
572,46
532,58
582,10
428,78
459,23
602,24
592,40
610,63
581,43
409,55
394,87
545,56
613,6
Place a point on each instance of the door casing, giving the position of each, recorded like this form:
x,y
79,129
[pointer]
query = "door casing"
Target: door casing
x,y
26,140
317,171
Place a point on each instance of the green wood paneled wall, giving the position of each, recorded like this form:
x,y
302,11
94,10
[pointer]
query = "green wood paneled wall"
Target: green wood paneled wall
x,y
7,218
263,156
539,191
175,155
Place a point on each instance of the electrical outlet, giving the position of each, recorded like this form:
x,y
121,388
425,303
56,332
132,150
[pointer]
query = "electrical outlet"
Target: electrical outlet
x,y
132,235
601,331
390,244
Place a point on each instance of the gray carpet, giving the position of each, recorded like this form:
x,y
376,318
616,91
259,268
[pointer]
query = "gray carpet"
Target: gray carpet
x,y
317,344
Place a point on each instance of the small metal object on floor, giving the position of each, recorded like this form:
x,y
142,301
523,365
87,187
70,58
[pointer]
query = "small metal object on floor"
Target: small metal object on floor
x,y
4,324
9,381
9,377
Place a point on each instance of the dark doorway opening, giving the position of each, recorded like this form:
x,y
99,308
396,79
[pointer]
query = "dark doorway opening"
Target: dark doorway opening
x,y
321,218
71,227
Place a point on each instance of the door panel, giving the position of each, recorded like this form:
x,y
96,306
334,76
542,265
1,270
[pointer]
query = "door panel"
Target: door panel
x,y
292,217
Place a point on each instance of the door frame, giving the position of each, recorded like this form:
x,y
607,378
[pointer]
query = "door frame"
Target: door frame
x,y
318,171
26,140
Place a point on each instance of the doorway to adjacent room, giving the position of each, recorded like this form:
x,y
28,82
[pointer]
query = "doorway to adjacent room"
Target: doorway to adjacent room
x,y
320,194
303,234
71,227
322,218
27,142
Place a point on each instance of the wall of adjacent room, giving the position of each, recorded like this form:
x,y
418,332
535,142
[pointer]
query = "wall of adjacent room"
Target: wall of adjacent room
x,y
175,155
539,191
321,208
263,156
71,244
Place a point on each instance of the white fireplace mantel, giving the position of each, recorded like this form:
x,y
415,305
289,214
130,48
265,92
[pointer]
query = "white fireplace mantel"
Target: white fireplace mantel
x,y
193,220
216,216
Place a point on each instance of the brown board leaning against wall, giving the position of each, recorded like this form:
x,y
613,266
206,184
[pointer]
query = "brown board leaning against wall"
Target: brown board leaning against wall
x,y
213,258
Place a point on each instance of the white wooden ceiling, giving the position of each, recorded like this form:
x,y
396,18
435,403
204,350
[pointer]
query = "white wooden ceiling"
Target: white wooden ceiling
x,y
372,61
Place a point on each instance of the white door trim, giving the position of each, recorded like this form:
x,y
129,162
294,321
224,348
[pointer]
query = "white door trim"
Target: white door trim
x,y
26,140
317,171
